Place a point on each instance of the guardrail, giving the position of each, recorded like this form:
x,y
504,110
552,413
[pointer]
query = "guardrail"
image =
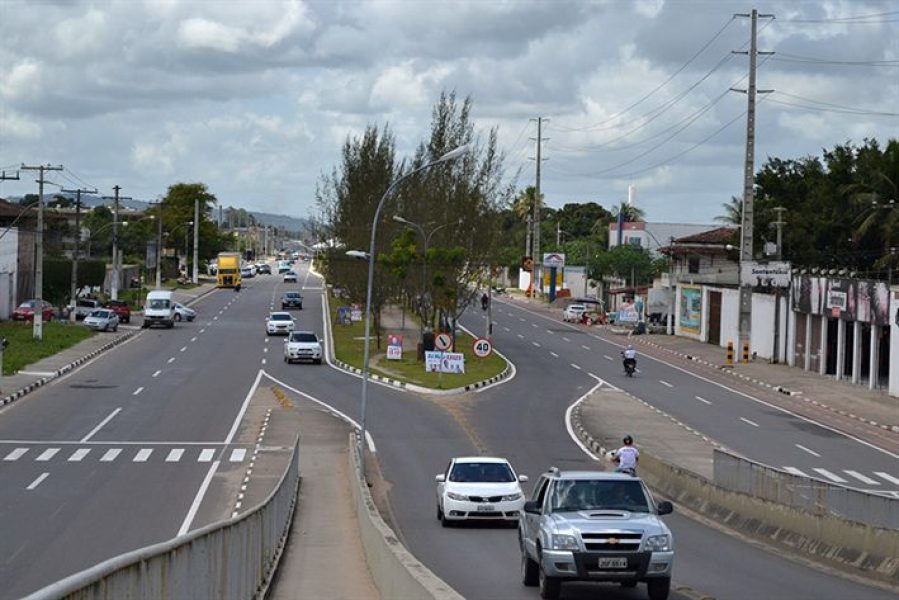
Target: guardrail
x,y
234,558
809,494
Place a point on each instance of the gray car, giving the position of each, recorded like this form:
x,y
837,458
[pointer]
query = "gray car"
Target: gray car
x,y
184,313
102,319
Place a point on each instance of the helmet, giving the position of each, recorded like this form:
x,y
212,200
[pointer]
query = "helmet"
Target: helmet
x,y
628,440
630,346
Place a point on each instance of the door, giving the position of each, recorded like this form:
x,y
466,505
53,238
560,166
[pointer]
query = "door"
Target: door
x,y
799,348
714,323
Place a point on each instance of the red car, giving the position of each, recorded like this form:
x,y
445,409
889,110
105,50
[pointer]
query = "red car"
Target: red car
x,y
121,308
25,311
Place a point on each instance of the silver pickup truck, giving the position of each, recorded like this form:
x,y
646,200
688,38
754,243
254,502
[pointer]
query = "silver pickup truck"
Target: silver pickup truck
x,y
86,306
594,526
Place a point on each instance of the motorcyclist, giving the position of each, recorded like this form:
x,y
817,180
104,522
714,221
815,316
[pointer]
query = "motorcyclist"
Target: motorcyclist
x,y
627,456
630,357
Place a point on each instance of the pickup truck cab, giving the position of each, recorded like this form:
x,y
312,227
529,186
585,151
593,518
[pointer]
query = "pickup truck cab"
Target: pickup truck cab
x,y
85,306
120,308
159,309
594,526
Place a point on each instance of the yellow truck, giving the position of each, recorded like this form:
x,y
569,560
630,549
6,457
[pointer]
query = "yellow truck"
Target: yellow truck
x,y
229,269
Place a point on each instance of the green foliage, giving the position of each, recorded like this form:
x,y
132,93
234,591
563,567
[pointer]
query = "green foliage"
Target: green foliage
x,y
58,277
633,263
24,350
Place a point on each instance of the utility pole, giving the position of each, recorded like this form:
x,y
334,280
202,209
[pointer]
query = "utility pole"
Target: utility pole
x,y
114,287
195,275
779,223
73,292
159,247
746,230
538,259
38,323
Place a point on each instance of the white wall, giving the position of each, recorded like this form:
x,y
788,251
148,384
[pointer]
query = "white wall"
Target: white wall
x,y
730,318
762,342
9,254
894,343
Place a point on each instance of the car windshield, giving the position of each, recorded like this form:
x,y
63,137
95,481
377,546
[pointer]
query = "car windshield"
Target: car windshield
x,y
481,472
303,337
292,295
158,303
100,314
574,495
280,317
28,304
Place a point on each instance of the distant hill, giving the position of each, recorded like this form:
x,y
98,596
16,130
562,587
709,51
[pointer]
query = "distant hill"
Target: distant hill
x,y
282,222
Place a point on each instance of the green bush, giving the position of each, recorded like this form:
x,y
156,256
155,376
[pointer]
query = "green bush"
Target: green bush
x,y
58,277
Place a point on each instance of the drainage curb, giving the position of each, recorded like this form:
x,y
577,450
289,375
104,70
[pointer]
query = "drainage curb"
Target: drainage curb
x,y
420,389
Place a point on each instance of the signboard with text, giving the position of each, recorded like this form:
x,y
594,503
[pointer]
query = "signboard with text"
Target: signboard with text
x,y
444,362
394,346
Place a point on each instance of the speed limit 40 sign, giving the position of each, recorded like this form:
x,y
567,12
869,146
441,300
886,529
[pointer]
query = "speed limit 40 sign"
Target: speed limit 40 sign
x,y
482,347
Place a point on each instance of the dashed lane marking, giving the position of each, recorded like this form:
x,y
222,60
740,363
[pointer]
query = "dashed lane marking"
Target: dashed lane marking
x,y
863,478
554,355
794,471
143,454
576,367
174,455
748,422
829,475
565,339
703,400
804,449
110,455
171,360
238,454
79,454
137,391
47,454
536,344
206,455
38,481
156,374
193,339
665,383
183,348
607,357
585,347
887,476
15,454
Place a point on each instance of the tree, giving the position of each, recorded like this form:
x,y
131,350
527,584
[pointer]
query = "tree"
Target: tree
x,y
631,263
733,212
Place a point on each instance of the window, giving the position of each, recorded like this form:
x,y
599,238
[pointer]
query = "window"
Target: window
x,y
693,264
574,495
158,304
303,337
472,472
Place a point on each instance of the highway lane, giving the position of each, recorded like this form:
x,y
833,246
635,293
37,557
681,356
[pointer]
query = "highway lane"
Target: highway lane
x,y
111,457
732,418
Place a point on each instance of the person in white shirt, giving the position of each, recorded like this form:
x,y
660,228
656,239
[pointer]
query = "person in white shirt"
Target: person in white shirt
x,y
630,357
627,456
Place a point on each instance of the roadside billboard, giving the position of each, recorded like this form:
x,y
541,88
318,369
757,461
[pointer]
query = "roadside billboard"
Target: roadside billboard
x,y
690,317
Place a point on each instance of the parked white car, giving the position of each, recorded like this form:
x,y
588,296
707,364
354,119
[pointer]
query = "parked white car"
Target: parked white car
x,y
479,488
302,345
574,312
279,323
102,319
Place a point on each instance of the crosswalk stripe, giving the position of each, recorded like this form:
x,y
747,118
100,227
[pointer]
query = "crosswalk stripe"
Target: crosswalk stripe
x,y
887,476
143,454
794,471
15,454
862,478
79,454
47,454
206,455
175,455
238,454
830,475
110,455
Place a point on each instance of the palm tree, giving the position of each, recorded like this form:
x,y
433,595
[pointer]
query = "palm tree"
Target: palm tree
x,y
733,212
524,203
631,213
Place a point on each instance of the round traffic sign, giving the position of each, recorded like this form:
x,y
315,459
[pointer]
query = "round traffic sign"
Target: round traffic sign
x,y
482,347
443,341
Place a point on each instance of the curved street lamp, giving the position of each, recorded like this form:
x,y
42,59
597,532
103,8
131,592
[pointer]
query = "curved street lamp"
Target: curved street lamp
x,y
370,255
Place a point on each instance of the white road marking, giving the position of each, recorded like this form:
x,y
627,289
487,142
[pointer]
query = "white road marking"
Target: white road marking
x,y
830,475
265,350
505,329
185,526
206,455
79,454
137,391
15,454
565,339
38,481
100,426
794,471
571,433
862,478
263,361
745,420
193,339
554,355
521,319
156,374
576,367
171,360
521,336
110,455
183,348
804,449
533,324
585,347
536,344
607,357
143,454
215,318
550,331
701,399
203,330
47,454
887,476
665,383
266,339
238,454
175,455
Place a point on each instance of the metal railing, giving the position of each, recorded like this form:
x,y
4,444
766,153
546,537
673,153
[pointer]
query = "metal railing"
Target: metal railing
x,y
815,496
234,558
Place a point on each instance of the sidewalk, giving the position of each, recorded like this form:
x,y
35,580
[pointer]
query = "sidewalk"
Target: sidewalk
x,y
35,375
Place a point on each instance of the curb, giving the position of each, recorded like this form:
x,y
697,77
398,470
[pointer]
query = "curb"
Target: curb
x,y
8,399
402,385
778,388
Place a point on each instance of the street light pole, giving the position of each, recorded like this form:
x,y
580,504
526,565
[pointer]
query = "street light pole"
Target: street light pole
x,y
115,246
449,156
159,248
73,292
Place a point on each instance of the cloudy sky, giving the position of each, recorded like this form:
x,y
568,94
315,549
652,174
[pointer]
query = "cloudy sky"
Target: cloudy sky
x,y
255,98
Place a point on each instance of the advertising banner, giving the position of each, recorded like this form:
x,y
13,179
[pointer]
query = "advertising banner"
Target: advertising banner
x,y
855,299
343,315
553,259
394,346
356,313
444,362
631,311
765,274
690,317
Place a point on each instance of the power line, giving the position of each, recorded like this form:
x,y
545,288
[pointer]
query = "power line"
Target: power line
x,y
874,18
796,58
832,109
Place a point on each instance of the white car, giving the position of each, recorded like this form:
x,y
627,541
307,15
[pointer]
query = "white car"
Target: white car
x,y
102,319
302,345
574,312
479,487
290,277
279,323
184,313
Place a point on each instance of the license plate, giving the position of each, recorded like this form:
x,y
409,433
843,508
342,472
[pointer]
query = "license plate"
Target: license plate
x,y
612,563
485,508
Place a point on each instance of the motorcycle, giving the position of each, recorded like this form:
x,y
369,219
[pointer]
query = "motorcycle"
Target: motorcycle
x,y
628,470
630,366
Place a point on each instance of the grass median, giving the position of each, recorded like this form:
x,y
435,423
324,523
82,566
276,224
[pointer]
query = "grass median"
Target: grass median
x,y
349,348
24,350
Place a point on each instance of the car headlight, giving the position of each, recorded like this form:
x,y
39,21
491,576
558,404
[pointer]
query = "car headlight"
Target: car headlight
x,y
511,497
658,543
455,496
564,541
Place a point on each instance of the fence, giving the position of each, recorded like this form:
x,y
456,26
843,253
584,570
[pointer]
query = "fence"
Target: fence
x,y
805,493
235,558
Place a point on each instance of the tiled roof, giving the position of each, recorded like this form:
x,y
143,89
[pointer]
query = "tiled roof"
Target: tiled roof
x,y
721,235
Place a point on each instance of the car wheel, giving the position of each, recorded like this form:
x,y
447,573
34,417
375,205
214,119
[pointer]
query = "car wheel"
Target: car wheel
x,y
444,521
317,361
529,575
177,316
116,328
550,587
658,588
439,512
301,307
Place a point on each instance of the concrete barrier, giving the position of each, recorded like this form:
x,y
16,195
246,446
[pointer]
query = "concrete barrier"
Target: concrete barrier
x,y
861,548
396,573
